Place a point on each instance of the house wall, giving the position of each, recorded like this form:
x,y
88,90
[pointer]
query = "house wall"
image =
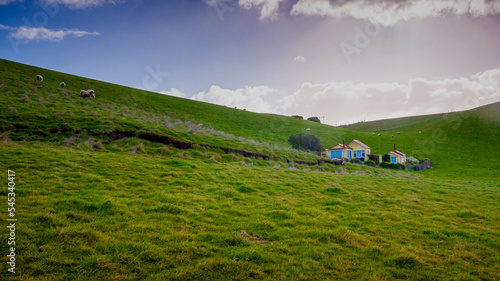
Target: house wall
x,y
399,159
348,154
356,146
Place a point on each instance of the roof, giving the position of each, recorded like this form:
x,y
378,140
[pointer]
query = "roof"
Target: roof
x,y
339,147
360,143
397,153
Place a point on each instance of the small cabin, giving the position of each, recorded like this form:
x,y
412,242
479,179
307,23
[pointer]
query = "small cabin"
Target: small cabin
x,y
397,157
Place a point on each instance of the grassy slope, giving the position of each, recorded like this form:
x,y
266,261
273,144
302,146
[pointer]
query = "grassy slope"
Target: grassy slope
x,y
163,213
463,145
134,217
269,128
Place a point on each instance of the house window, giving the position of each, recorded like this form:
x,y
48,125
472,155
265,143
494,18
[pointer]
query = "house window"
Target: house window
x,y
335,154
393,159
359,154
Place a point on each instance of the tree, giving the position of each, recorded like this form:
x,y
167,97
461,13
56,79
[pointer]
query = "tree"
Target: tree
x,y
306,142
314,119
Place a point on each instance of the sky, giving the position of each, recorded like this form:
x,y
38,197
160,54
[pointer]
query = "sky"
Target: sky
x,y
342,61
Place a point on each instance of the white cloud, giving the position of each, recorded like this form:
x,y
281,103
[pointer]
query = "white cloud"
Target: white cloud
x,y
385,12
5,2
82,4
173,92
268,8
348,102
389,12
250,98
41,33
299,59
4,27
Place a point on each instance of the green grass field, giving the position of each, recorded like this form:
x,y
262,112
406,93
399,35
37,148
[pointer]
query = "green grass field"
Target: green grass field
x,y
94,207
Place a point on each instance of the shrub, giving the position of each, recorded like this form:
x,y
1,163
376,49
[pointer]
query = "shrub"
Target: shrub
x,y
373,158
386,158
314,119
370,163
396,166
355,161
305,142
399,166
298,116
386,165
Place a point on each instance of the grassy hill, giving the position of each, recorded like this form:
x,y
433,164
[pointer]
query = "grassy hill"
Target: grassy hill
x,y
463,144
106,190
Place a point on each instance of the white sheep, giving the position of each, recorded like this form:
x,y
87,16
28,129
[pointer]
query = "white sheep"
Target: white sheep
x,y
87,93
419,132
39,78
62,84
398,132
308,129
373,134
392,136
379,135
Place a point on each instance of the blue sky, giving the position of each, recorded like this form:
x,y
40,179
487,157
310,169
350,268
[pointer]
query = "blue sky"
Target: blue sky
x,y
345,60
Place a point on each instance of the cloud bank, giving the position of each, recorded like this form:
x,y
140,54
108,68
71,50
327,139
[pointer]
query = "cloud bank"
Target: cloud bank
x,y
347,102
42,33
268,8
6,2
385,12
173,92
389,12
250,98
82,4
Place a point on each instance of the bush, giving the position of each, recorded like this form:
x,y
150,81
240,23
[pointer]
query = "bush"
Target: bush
x,y
370,163
386,165
355,161
400,166
306,142
314,119
395,166
297,116
386,158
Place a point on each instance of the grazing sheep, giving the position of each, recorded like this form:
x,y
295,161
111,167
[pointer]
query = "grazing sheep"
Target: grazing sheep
x,y
87,94
398,132
373,134
39,78
379,135
308,129
419,132
392,136
62,84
